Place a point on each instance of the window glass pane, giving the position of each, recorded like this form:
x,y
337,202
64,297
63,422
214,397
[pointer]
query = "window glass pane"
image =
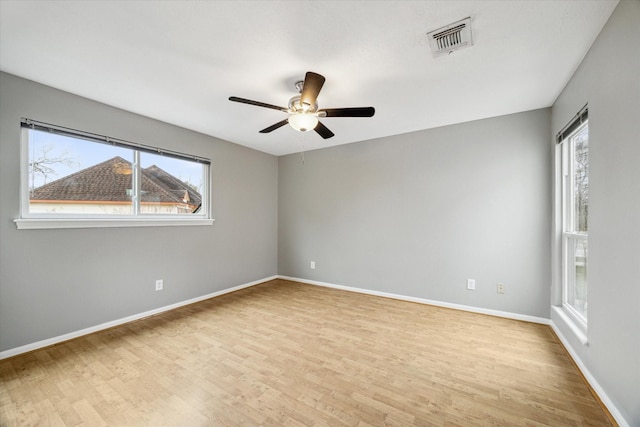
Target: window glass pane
x,y
577,280
581,178
74,176
170,185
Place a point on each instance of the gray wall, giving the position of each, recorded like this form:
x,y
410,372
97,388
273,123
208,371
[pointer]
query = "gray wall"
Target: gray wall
x,y
608,79
413,214
54,282
418,214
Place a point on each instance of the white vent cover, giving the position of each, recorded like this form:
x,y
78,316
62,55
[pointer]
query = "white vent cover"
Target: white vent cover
x,y
451,37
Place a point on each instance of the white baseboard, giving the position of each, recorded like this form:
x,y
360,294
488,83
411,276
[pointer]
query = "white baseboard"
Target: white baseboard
x,y
617,415
613,410
505,314
55,340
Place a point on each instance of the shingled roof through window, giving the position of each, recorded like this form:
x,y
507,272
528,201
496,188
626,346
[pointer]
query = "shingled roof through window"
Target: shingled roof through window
x,y
178,188
112,181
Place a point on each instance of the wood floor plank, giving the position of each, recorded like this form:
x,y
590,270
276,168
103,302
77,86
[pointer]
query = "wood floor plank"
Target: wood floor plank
x,y
288,354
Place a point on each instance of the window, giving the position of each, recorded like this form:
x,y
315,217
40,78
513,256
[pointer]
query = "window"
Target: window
x,y
574,146
74,175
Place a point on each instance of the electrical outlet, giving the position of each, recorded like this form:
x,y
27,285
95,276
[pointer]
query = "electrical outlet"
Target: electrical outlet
x,y
312,265
159,285
471,284
500,288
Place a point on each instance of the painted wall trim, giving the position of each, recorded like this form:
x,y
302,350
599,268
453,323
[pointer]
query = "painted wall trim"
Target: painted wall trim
x,y
580,335
615,413
43,223
71,335
505,314
613,410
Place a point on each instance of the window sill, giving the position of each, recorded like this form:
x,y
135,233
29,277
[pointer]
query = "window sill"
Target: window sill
x,y
578,330
41,224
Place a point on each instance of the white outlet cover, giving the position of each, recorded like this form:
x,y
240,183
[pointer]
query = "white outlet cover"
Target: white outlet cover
x,y
471,284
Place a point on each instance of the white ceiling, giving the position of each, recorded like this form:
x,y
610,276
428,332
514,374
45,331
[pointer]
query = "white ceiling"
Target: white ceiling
x,y
179,61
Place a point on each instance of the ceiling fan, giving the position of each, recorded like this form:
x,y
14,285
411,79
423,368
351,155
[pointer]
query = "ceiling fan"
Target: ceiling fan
x,y
303,109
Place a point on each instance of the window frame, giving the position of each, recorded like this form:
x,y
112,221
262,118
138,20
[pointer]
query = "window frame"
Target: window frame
x,y
570,236
29,220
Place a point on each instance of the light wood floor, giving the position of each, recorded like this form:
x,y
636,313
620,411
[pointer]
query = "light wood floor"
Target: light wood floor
x,y
289,354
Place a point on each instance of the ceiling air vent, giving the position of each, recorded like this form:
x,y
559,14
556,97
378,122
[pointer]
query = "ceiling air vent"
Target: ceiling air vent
x,y
451,37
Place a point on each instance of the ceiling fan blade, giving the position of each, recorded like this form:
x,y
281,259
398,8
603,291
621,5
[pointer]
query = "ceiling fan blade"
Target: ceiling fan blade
x,y
274,127
347,112
323,131
312,84
257,103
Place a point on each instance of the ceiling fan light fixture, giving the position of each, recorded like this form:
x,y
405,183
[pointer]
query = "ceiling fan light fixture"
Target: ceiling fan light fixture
x,y
303,122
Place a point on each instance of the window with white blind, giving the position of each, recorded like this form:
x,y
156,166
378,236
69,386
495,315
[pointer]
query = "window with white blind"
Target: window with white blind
x,y
75,179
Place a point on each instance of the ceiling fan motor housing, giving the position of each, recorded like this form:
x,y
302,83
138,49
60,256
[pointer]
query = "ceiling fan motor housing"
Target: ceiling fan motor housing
x,y
297,106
